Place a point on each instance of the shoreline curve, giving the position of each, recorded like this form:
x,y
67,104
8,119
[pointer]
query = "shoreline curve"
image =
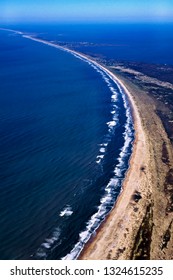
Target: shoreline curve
x,y
98,246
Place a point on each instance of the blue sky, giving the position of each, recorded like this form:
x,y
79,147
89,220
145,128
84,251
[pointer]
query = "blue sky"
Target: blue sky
x,y
86,10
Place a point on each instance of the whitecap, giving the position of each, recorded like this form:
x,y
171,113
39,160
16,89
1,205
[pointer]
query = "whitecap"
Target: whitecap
x,y
67,211
100,156
48,243
111,123
103,144
41,254
102,150
114,97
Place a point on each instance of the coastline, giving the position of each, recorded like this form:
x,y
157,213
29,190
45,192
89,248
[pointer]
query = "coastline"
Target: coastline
x,y
138,148
141,203
121,211
109,238
140,224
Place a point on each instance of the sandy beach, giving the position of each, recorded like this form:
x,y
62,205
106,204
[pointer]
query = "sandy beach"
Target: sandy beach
x,y
140,221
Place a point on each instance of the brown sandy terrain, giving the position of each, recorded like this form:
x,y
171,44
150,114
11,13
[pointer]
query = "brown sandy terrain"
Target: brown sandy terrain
x,y
141,224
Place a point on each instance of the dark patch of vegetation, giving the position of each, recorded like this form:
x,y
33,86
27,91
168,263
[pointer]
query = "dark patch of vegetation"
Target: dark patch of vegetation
x,y
136,196
162,72
166,237
119,252
135,209
167,123
142,168
168,188
141,250
165,155
109,255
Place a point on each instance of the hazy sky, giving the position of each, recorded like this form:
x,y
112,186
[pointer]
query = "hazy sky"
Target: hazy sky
x,y
86,10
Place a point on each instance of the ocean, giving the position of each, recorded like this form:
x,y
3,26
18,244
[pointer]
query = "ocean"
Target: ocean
x,y
66,137
139,42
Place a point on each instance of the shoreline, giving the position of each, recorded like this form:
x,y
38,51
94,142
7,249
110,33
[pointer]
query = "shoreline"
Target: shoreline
x,y
98,247
132,228
126,193
137,126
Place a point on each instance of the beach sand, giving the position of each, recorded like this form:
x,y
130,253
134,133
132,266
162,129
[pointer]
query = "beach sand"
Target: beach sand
x,y
140,224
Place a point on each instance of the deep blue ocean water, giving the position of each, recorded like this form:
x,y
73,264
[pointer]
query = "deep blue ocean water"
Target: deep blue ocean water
x,y
66,138
141,42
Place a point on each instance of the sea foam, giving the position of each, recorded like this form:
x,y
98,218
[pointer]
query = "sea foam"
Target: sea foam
x,y
67,211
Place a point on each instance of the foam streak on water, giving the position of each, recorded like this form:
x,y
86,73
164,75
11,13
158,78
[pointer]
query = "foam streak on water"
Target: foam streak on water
x,y
49,242
67,211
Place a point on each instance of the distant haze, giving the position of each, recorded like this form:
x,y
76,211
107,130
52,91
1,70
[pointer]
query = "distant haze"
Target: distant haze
x,y
12,11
